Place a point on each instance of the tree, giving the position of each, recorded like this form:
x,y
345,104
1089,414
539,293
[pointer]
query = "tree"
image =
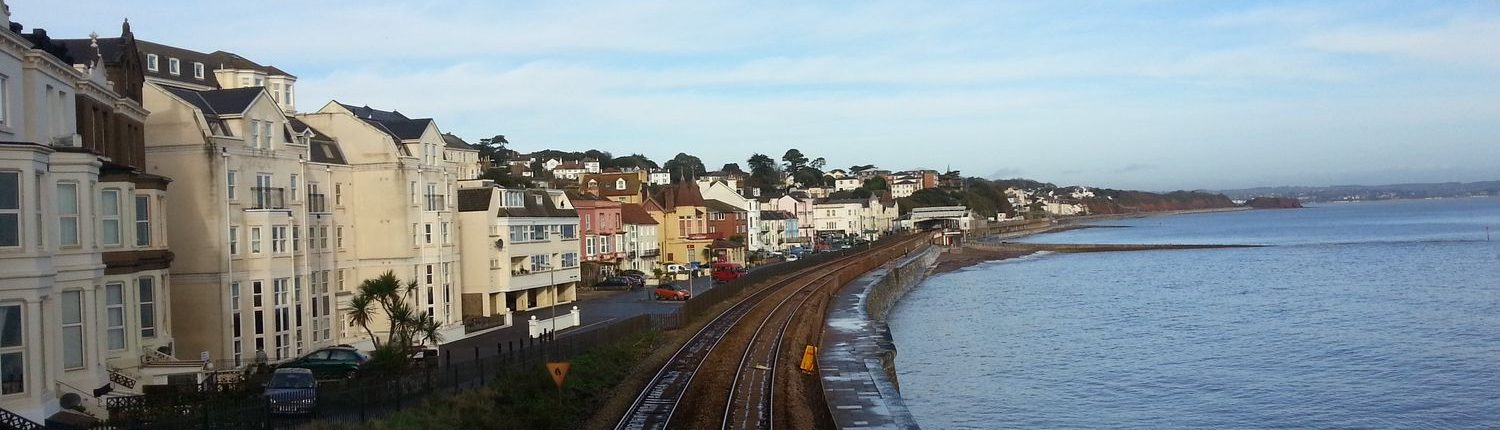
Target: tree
x,y
386,295
632,161
861,193
502,177
494,149
818,163
763,174
860,168
602,156
807,176
731,168
876,183
795,161
684,167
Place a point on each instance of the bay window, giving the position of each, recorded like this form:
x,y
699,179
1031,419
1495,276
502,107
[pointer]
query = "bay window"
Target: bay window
x,y
10,208
147,291
12,350
72,329
114,315
142,220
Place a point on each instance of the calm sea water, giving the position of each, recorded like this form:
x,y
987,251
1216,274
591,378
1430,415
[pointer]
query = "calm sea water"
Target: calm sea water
x,y
1362,315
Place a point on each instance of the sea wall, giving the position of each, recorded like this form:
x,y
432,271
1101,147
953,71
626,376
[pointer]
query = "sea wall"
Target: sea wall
x,y
856,356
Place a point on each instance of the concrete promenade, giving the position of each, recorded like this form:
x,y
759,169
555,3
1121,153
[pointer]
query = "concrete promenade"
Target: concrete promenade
x,y
856,347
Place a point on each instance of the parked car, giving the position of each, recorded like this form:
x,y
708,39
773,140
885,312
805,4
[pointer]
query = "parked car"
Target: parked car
x,y
615,283
678,268
726,271
292,390
671,292
632,273
331,362
792,257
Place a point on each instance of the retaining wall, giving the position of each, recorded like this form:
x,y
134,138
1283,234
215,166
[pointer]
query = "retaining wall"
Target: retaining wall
x,y
856,356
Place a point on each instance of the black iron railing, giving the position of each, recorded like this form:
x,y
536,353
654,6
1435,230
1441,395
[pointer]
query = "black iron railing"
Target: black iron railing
x,y
9,420
317,203
268,198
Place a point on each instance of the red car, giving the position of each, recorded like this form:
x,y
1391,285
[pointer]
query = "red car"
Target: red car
x,y
671,292
725,271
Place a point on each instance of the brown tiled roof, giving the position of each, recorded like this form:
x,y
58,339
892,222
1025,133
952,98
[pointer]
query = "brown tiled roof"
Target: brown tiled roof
x,y
683,194
632,213
607,184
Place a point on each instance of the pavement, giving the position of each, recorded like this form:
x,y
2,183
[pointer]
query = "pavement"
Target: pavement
x,y
596,308
859,392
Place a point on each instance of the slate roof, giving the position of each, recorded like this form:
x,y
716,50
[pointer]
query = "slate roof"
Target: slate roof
x,y
393,123
456,142
776,215
323,148
110,48
861,202
478,199
631,213
719,206
216,103
474,199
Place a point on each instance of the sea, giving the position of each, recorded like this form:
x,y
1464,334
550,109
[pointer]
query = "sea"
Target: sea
x,y
1371,315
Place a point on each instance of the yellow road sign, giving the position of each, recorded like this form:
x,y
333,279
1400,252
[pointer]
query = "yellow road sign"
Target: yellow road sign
x,y
559,371
807,358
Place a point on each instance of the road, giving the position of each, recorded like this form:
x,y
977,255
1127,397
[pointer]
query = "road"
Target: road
x,y
595,308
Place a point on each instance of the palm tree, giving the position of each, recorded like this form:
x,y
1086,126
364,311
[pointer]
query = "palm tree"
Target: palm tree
x,y
361,311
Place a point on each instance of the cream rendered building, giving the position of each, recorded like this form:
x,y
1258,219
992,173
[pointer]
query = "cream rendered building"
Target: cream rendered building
x,y
244,280
83,259
394,208
522,246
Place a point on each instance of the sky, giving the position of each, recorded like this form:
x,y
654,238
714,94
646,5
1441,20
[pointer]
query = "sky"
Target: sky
x,y
1154,95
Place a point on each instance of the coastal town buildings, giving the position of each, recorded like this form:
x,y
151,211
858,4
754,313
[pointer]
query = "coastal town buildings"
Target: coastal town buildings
x,y
684,224
778,230
659,177
403,219
847,184
84,259
464,156
522,246
642,244
241,282
724,192
623,187
603,235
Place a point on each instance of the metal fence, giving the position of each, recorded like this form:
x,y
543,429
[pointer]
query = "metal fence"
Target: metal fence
x,y
242,404
236,400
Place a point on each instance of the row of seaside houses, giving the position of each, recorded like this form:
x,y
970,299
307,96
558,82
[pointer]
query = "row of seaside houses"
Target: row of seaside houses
x,y
166,212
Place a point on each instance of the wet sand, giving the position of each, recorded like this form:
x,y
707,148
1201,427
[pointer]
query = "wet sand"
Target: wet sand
x,y
964,257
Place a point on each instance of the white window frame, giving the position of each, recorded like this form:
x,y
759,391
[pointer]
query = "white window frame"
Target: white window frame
x,y
146,305
198,70
106,218
174,66
293,188
16,351
153,62
254,240
72,331
143,220
278,239
66,217
114,316
229,180
234,240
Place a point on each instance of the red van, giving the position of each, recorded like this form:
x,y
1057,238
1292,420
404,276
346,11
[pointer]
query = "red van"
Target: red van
x,y
724,271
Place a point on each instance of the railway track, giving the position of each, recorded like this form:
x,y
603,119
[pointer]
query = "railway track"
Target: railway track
x,y
751,396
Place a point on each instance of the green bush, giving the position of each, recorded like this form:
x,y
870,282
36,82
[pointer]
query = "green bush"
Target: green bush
x,y
528,399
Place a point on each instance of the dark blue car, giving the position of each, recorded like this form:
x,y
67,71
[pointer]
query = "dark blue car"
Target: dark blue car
x,y
292,390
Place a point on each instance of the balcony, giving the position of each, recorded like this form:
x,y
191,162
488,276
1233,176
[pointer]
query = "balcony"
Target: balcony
x,y
267,198
527,280
317,203
650,253
436,202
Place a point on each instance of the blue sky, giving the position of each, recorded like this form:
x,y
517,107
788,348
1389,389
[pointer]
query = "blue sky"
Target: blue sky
x,y
1152,95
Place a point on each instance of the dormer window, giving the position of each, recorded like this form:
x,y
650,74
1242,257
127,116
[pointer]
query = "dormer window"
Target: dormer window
x,y
620,184
198,70
151,62
174,66
593,184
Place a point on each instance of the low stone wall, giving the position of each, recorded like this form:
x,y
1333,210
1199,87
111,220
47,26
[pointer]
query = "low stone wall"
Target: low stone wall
x,y
887,290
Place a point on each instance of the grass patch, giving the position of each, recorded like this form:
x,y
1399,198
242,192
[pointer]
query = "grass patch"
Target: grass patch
x,y
528,399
